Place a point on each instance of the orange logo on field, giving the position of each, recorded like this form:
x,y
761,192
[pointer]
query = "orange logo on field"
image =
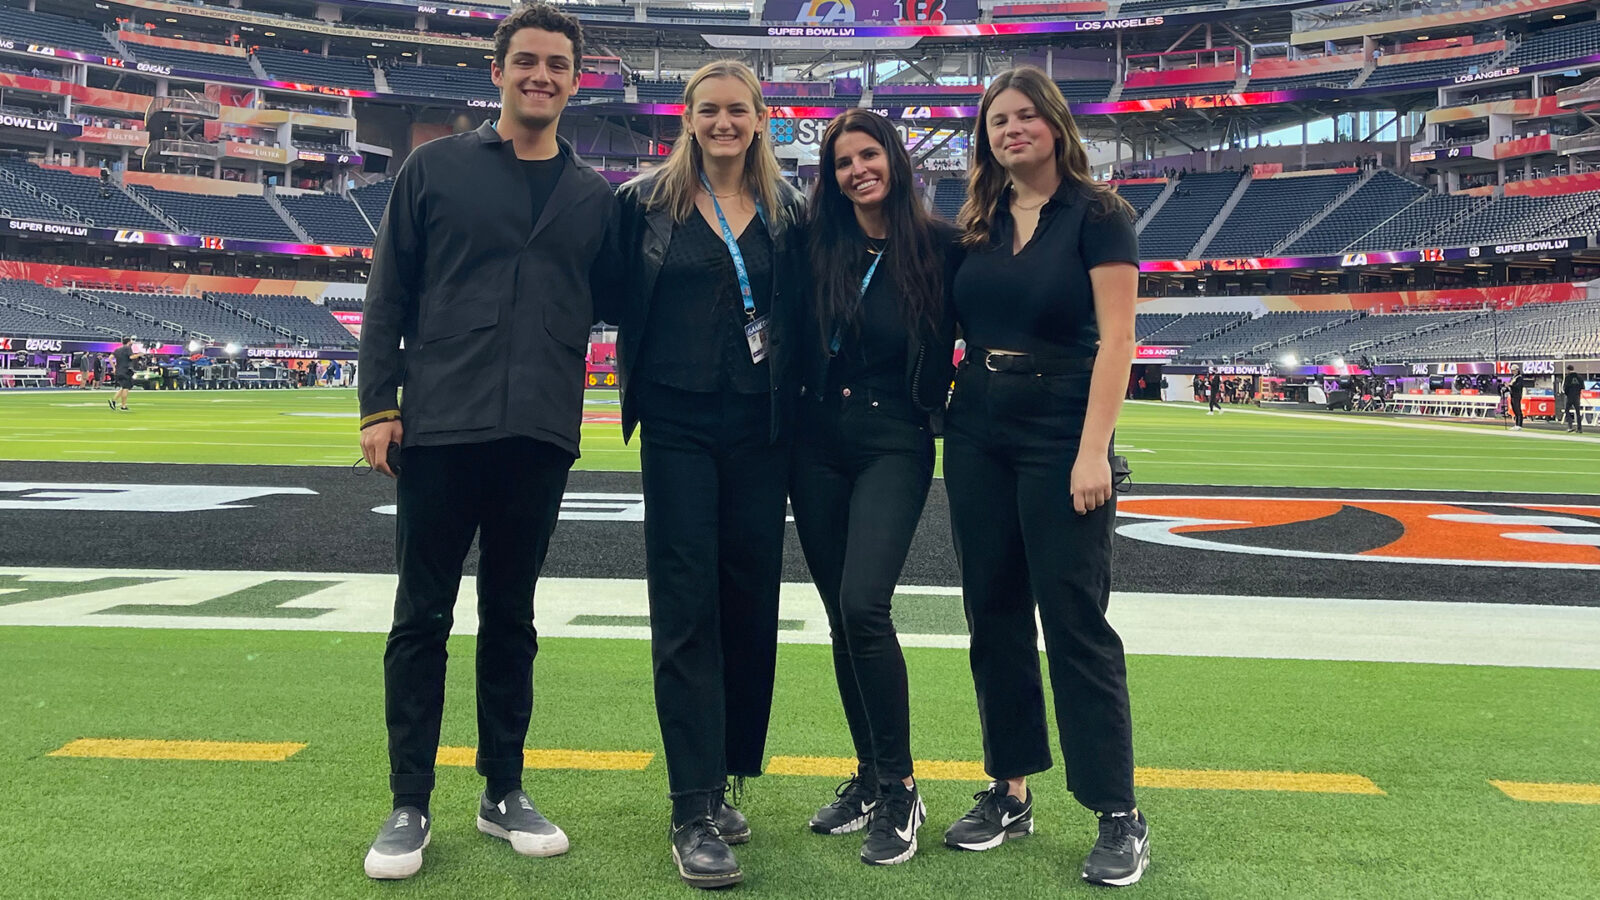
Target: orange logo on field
x,y
1430,532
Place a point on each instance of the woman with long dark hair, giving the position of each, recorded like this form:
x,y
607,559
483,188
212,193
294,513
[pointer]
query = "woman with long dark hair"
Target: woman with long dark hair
x,y
1045,299
714,253
877,365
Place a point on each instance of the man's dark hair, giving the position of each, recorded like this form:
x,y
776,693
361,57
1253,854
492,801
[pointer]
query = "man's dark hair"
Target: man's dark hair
x,y
544,17
125,341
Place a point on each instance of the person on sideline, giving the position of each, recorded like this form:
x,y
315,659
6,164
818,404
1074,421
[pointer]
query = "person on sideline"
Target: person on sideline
x,y
1572,387
876,352
715,260
122,371
1519,383
1214,391
488,265
1045,299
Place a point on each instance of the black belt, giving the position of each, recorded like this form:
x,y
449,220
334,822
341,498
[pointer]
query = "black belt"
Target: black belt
x,y
1028,363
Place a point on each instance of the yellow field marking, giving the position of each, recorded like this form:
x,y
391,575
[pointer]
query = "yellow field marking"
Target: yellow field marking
x,y
1536,792
211,751
615,760
1225,780
1188,779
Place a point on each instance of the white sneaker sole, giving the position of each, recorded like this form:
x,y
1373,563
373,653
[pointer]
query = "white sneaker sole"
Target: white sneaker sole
x,y
1144,863
849,827
527,843
393,868
1009,834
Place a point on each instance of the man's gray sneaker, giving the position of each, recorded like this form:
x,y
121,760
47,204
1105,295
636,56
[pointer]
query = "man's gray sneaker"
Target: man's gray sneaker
x,y
397,850
514,819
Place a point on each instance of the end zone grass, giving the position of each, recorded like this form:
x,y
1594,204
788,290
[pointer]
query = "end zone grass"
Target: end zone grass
x,y
1166,443
1432,737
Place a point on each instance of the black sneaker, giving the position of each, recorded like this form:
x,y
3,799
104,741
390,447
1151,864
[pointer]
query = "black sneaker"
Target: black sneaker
x,y
516,820
1122,852
702,856
113,405
732,825
397,850
855,802
998,817
892,835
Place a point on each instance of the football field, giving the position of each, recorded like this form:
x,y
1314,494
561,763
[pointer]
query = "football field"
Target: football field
x,y
1364,662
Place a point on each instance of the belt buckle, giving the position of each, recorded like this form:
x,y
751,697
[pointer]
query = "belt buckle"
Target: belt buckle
x,y
988,362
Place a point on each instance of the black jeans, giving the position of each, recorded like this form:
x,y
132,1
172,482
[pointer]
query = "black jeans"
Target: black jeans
x,y
1574,413
1010,443
1215,401
863,464
1516,408
508,492
714,501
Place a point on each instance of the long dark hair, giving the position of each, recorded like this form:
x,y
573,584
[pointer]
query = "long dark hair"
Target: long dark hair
x,y
988,180
914,256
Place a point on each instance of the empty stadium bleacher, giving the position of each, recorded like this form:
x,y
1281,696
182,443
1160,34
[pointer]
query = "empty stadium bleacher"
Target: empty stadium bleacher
x,y
948,195
1178,90
1196,200
1519,218
338,71
1414,222
1260,339
306,320
194,315
1530,331
54,31
29,308
1427,70
1192,327
373,199
439,81
1270,209
1140,196
328,218
84,194
1089,91
1373,203
1570,42
243,216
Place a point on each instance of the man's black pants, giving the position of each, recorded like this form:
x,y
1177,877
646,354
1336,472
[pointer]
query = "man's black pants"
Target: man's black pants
x,y
1010,444
508,492
863,465
1516,408
1215,401
714,501
1574,414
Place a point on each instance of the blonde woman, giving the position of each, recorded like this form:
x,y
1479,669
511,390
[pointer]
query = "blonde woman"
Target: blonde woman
x,y
1045,300
715,262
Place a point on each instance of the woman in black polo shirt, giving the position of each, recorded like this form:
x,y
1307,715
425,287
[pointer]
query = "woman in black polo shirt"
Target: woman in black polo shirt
x,y
1045,299
876,362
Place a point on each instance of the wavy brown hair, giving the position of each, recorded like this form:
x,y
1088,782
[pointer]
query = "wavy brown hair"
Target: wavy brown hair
x,y
679,181
987,183
914,257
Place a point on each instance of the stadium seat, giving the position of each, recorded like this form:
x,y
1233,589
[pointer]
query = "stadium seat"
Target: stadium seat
x,y
328,218
243,216
1270,209
1186,215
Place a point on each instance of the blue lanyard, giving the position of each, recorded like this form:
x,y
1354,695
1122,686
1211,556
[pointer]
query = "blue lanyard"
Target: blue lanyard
x,y
866,282
733,248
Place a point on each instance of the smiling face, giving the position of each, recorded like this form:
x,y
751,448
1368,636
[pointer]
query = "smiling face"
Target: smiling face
x,y
537,77
1019,137
723,118
862,169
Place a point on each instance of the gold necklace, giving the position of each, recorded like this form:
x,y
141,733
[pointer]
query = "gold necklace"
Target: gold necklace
x,y
1015,204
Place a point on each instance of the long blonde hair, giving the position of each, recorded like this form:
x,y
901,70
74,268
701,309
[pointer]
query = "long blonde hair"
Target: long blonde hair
x,y
986,185
679,179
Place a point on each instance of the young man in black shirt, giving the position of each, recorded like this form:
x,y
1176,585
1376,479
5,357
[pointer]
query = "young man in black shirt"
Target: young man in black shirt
x,y
1519,383
123,373
485,268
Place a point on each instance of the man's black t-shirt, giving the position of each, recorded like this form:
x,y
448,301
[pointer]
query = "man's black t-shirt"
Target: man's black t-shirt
x,y
1040,300
542,177
124,358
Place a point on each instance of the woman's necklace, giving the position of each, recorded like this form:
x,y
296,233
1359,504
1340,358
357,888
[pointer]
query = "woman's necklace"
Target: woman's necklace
x,y
1025,208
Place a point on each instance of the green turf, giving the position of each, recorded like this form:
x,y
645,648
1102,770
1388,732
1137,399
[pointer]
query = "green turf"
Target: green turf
x,y
1430,736
1172,444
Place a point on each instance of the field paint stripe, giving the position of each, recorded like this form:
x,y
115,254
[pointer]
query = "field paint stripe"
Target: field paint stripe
x,y
1538,792
1228,780
1184,779
596,760
210,751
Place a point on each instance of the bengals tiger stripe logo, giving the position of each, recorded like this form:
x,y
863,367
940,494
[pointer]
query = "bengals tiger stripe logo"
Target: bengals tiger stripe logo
x,y
1424,532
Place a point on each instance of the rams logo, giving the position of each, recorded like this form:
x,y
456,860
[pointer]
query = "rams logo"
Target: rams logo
x,y
1422,532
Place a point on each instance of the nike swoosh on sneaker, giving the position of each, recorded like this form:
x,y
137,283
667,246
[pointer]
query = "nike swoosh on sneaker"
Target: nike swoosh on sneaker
x,y
910,831
1007,818
868,807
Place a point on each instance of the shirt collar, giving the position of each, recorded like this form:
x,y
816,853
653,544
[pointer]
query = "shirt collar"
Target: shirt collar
x,y
487,135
